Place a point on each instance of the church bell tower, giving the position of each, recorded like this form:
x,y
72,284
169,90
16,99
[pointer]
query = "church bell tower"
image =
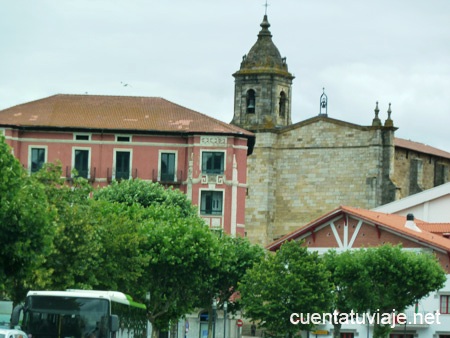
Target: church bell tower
x,y
262,95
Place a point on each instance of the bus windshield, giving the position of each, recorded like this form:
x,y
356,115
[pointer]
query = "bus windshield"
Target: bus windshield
x,y
55,317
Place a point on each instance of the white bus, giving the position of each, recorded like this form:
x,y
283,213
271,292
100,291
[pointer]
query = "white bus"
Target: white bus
x,y
80,314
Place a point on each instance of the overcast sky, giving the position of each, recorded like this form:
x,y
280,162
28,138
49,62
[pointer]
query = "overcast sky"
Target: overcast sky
x,y
185,51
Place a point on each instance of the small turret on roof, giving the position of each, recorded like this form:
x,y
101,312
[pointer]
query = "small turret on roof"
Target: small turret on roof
x,y
376,122
389,122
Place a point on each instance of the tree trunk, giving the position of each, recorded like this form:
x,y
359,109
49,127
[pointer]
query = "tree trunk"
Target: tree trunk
x,y
381,331
155,331
211,321
337,330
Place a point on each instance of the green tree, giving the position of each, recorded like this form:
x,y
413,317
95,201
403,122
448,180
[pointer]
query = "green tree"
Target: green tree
x,y
289,281
237,255
123,259
397,279
349,292
382,279
75,253
182,253
144,193
175,254
25,225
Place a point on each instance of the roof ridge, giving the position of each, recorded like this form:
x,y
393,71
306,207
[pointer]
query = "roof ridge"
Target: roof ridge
x,y
371,216
116,112
414,145
210,117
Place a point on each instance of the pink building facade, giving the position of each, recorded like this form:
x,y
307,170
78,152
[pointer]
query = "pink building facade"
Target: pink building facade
x,y
104,138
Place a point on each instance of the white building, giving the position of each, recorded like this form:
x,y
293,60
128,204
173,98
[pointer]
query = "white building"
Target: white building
x,y
347,228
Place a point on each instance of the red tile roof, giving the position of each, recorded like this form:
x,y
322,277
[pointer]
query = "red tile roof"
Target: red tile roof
x,y
420,147
114,113
391,222
436,228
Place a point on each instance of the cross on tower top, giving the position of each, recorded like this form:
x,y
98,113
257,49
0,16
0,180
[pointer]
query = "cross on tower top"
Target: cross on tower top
x,y
266,5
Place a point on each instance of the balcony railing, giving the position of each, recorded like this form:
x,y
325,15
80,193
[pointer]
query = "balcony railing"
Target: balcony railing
x,y
111,173
120,175
88,174
168,180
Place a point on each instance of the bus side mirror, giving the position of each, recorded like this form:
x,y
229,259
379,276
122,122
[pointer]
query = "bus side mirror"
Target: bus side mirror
x,y
114,323
15,315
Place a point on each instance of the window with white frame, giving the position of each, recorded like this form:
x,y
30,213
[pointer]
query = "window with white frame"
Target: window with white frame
x,y
123,138
347,335
444,304
81,162
211,202
213,162
167,166
37,158
122,165
82,137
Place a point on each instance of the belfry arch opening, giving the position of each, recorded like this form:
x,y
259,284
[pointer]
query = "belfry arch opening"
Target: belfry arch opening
x,y
282,104
250,101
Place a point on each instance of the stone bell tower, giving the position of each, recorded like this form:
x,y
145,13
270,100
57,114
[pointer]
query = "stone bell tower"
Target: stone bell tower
x,y
262,96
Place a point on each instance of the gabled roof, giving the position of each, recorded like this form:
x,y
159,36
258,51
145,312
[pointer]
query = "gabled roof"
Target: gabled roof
x,y
398,142
328,119
389,222
421,198
420,147
128,113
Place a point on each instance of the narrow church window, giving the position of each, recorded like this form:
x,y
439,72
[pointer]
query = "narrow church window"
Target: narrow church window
x,y
415,176
282,104
440,174
250,101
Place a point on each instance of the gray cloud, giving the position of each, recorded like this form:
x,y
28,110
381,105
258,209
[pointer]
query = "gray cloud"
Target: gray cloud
x,y
186,51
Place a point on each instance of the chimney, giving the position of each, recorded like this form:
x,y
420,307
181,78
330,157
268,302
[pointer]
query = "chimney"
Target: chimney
x,y
410,223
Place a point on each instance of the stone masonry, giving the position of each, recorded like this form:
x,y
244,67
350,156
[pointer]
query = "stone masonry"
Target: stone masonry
x,y
301,172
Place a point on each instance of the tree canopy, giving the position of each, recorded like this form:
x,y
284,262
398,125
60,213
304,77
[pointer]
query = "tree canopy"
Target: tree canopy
x,y
382,280
145,193
396,279
26,230
173,248
288,281
133,236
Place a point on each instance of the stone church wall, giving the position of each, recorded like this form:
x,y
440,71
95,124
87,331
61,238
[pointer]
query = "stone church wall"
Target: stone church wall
x,y
415,171
315,167
260,202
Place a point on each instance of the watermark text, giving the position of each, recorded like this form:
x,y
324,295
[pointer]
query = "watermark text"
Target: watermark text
x,y
392,319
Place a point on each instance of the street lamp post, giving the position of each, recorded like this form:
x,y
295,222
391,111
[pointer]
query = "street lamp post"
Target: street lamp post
x,y
225,307
214,307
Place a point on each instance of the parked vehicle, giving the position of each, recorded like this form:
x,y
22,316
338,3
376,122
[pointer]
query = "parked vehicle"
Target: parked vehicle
x,y
12,333
80,313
